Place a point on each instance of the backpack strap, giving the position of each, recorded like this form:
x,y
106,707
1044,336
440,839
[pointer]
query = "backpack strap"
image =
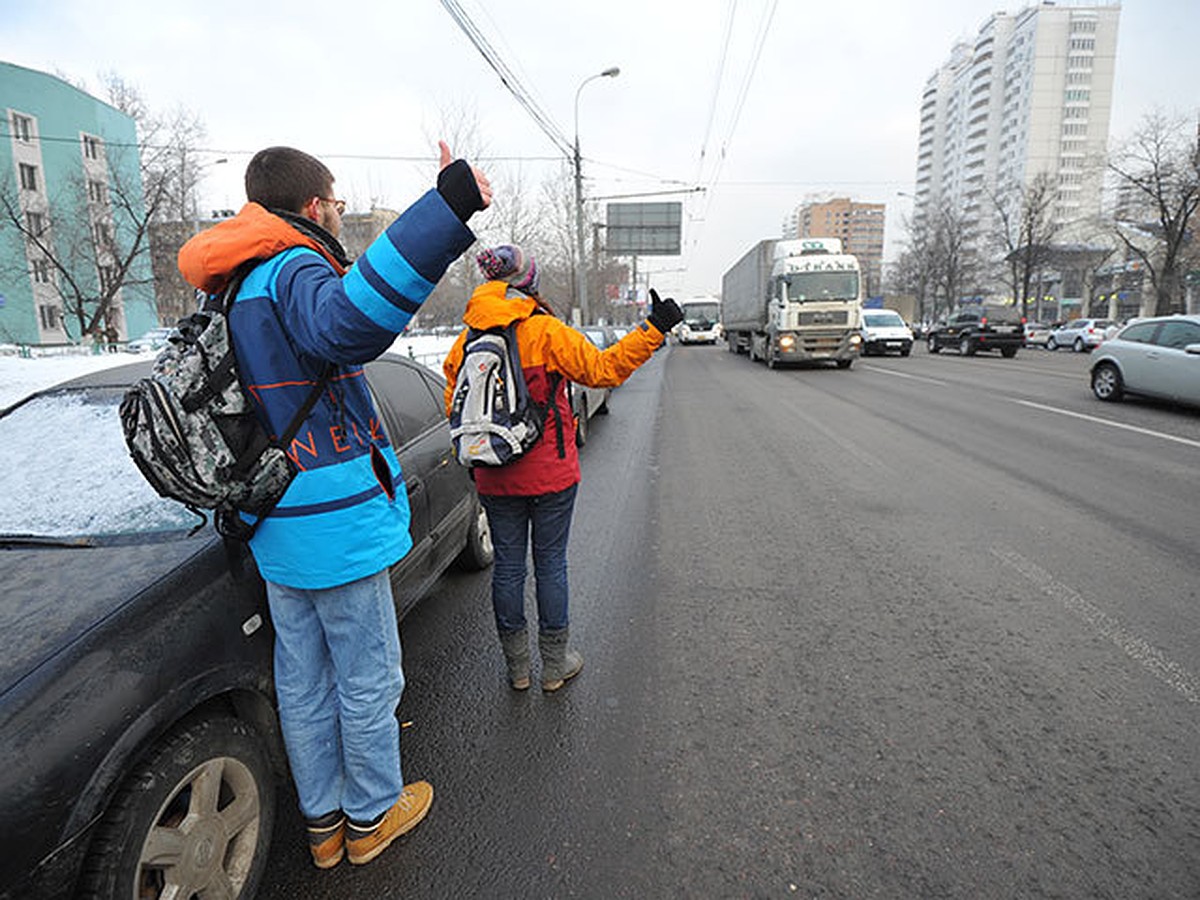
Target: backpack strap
x,y
555,378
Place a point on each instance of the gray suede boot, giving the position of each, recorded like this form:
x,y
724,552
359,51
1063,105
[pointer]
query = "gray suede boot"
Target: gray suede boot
x,y
558,663
516,657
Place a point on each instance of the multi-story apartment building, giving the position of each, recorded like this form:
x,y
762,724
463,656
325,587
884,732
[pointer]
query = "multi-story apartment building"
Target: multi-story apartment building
x,y
858,225
62,155
1032,94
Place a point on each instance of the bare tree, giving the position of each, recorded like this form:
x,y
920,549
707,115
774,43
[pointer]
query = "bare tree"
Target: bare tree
x,y
1158,179
915,270
951,261
93,237
1027,230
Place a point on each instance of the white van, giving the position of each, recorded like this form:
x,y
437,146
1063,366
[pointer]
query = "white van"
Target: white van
x,y
883,330
701,321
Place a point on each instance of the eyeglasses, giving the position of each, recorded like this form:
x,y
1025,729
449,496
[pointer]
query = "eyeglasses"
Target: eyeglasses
x,y
339,205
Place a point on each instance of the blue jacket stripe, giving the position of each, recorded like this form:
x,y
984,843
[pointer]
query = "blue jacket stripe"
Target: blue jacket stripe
x,y
377,310
328,506
428,235
398,283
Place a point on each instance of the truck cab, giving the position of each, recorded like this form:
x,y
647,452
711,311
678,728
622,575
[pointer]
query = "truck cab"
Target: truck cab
x,y
816,307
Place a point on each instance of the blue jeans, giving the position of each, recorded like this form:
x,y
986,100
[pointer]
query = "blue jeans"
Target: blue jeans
x,y
338,681
511,520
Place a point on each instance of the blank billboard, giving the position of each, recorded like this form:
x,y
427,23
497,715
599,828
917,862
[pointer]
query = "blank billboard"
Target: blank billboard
x,y
644,229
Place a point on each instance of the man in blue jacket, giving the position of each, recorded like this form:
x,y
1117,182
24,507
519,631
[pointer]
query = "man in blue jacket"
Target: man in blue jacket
x,y
304,312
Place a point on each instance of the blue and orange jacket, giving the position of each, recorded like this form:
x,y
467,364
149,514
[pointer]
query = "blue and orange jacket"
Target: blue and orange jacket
x,y
345,516
546,345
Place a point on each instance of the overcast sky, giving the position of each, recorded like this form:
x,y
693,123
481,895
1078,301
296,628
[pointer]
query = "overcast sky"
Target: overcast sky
x,y
828,105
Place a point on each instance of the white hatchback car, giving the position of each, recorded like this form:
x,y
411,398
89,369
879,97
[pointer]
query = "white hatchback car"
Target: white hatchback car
x,y
1157,357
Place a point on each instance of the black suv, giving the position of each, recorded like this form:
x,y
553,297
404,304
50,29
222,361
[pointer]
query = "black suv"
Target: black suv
x,y
979,327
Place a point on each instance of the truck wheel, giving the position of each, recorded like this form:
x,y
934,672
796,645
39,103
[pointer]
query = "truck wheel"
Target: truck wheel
x,y
932,344
193,819
845,363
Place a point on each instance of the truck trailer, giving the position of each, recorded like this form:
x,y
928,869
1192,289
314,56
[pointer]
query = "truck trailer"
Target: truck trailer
x,y
794,301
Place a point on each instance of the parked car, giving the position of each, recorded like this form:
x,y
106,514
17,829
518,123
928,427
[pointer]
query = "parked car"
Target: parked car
x,y
1157,357
150,342
141,744
1036,334
883,330
1081,335
977,327
589,401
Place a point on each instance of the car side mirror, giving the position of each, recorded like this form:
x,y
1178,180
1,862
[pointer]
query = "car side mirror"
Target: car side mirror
x,y
1193,349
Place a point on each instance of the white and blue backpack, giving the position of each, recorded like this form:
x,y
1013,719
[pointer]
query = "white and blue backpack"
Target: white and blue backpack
x,y
493,419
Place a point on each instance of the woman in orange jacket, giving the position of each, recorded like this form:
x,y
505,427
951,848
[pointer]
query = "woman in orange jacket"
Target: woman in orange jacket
x,y
536,493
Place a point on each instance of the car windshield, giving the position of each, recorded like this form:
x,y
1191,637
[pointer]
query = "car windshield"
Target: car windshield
x,y
68,474
597,337
883,320
811,287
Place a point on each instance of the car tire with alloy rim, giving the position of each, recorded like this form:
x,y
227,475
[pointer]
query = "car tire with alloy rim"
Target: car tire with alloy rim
x,y
1078,346
193,819
932,344
1107,383
1051,343
965,348
478,553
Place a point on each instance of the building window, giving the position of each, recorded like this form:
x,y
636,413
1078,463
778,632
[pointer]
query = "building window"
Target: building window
x,y
49,316
22,127
29,179
96,191
108,278
1078,95
91,147
102,234
1082,44
41,271
35,223
1075,112
1079,62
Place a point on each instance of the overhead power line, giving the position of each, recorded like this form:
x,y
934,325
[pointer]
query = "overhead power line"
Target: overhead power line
x,y
508,78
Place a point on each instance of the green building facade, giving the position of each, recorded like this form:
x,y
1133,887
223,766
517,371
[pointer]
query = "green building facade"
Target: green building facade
x,y
70,208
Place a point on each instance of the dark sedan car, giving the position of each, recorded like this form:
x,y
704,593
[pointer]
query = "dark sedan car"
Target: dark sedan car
x,y
141,744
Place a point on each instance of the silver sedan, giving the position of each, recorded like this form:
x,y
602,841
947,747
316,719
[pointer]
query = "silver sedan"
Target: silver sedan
x,y
1158,357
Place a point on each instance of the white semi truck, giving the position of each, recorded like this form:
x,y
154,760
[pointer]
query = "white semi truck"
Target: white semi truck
x,y
794,301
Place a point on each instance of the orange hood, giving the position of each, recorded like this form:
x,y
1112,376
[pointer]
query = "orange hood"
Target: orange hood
x,y
492,306
209,259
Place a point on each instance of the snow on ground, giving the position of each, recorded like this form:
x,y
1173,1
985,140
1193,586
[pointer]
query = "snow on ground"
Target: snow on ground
x,y
20,377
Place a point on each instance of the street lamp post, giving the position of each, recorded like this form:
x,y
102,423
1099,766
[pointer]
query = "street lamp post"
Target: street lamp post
x,y
580,272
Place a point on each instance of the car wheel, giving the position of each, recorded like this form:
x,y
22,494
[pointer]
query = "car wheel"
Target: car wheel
x,y
479,553
1051,344
1107,383
581,423
1078,345
1008,352
965,348
193,819
906,351
933,344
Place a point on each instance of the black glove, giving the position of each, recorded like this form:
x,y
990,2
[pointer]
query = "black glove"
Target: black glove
x,y
664,314
456,183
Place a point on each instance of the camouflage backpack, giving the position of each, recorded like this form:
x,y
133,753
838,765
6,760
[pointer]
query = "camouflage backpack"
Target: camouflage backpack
x,y
192,432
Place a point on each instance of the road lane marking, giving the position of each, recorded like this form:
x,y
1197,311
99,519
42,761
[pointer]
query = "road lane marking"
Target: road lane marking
x,y
1140,651
1109,422
906,375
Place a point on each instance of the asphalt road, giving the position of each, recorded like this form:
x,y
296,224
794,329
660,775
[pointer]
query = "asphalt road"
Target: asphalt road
x,y
926,628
